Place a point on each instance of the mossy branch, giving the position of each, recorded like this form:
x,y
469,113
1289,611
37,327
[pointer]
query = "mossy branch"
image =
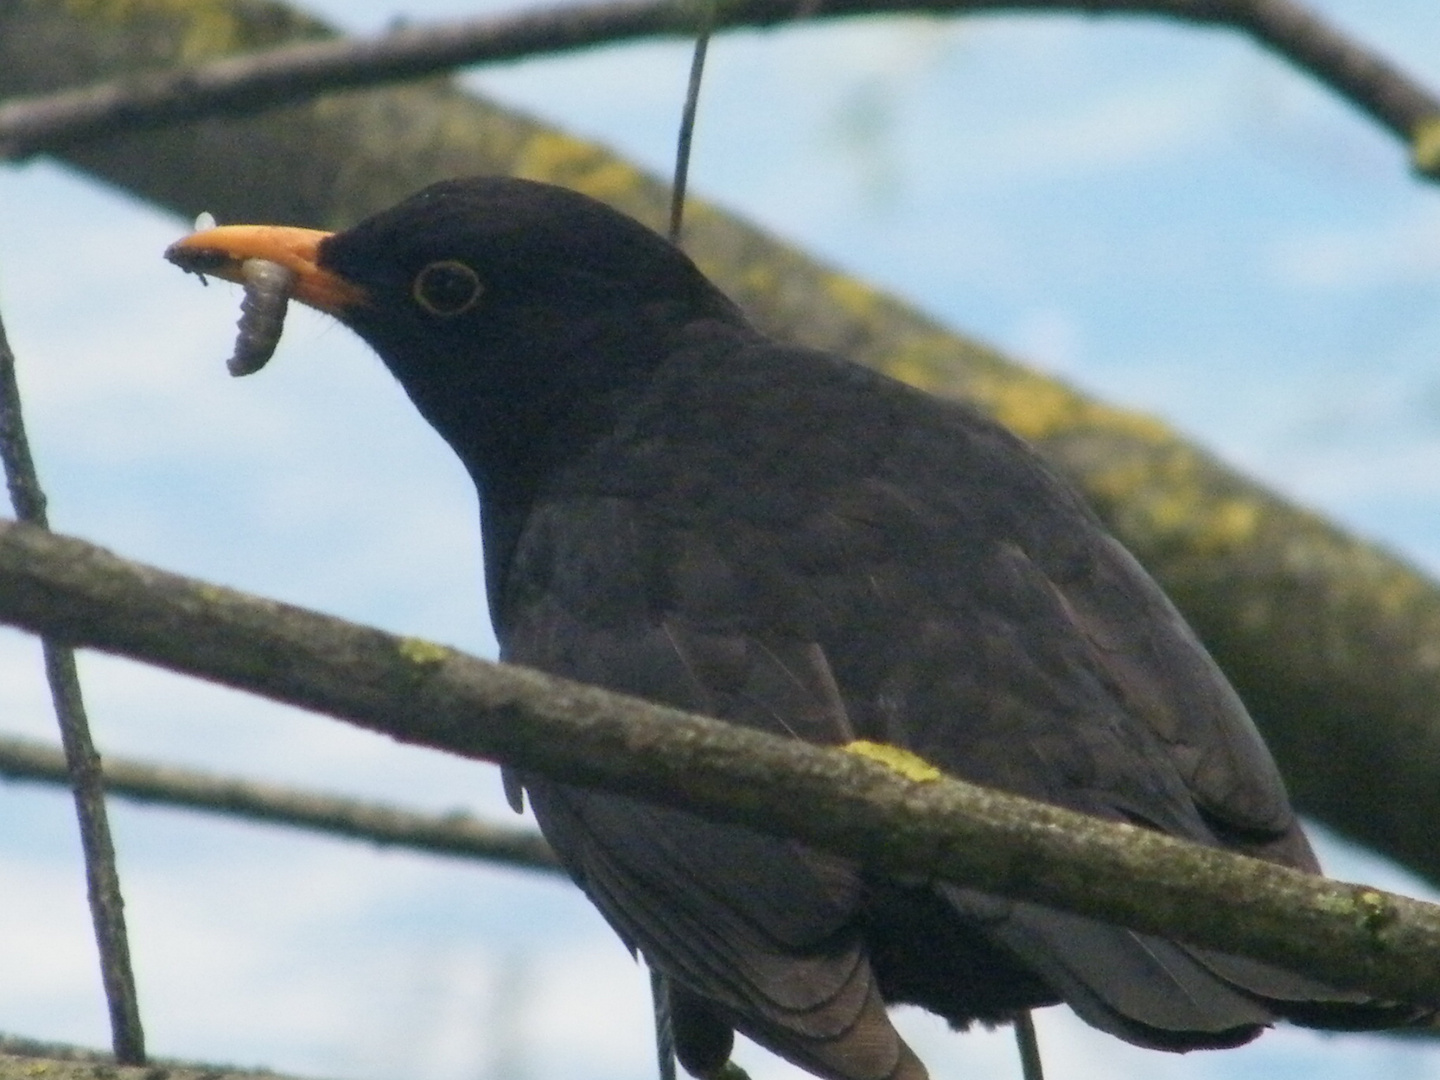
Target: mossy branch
x,y
416,691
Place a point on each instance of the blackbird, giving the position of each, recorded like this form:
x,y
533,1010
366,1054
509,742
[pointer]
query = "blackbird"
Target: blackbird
x,y
675,506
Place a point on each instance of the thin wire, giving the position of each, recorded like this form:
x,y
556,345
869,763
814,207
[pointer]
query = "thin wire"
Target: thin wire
x,y
103,881
664,1025
1030,1067
687,119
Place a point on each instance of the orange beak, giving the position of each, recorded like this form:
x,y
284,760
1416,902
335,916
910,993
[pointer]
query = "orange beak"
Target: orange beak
x,y
222,252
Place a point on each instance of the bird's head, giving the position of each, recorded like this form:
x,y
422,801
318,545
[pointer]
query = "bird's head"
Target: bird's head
x,y
501,305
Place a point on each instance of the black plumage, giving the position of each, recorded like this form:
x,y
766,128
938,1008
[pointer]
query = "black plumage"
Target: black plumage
x,y
675,506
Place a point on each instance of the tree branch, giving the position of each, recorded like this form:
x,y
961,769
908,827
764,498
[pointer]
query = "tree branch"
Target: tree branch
x,y
1347,935
168,785
102,878
26,1059
241,85
1363,77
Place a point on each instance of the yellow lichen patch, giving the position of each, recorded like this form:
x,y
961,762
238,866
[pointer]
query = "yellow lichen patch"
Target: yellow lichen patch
x,y
118,11
927,363
1370,908
208,27
212,594
915,372
759,277
698,213
422,652
1038,408
1396,593
1182,503
1171,495
574,163
854,297
1137,425
1172,512
911,766
1425,146
1231,523
1034,408
609,181
1374,909
550,154
1117,483
1336,904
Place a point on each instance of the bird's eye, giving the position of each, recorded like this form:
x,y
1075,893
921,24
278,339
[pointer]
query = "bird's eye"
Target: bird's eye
x,y
446,288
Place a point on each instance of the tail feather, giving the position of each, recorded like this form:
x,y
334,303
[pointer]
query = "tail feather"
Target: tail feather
x,y
1165,996
1306,1002
1142,989
868,1049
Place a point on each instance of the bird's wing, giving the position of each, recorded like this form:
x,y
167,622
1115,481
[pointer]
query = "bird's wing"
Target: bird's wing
x,y
1016,643
1012,642
755,932
1147,990
1166,680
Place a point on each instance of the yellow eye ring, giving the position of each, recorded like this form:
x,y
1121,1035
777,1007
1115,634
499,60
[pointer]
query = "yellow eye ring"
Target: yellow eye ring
x,y
447,288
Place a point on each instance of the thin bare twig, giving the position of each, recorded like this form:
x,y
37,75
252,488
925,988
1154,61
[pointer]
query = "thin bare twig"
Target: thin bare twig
x,y
687,118
257,81
167,785
1349,936
107,908
1031,1067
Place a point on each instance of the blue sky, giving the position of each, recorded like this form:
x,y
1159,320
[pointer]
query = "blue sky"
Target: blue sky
x,y
1167,217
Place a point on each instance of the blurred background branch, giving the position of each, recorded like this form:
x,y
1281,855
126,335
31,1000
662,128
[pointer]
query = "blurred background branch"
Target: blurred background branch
x,y
455,834
292,73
